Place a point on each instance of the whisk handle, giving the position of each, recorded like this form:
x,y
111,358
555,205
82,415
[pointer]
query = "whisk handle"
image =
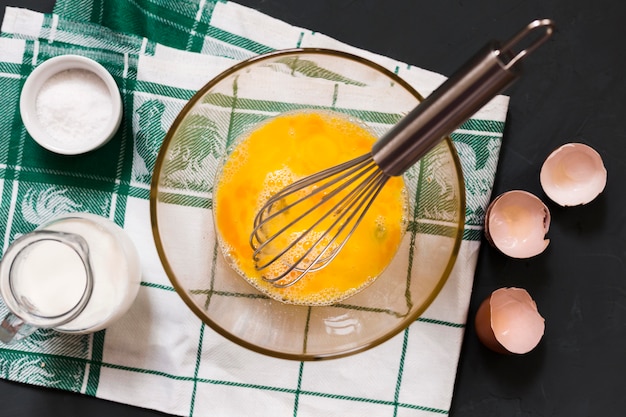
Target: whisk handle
x,y
484,76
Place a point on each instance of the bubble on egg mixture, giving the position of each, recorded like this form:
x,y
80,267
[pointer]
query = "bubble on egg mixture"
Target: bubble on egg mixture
x,y
273,183
322,298
381,227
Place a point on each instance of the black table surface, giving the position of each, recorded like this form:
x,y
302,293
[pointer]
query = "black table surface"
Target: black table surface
x,y
572,90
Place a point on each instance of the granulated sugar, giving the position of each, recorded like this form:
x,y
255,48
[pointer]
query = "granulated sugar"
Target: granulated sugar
x,y
74,106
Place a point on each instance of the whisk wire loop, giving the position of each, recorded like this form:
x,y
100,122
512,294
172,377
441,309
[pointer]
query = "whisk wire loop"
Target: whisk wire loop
x,y
375,185
354,199
258,242
367,192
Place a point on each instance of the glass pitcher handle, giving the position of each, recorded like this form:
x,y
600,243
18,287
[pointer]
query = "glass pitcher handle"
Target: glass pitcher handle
x,y
13,329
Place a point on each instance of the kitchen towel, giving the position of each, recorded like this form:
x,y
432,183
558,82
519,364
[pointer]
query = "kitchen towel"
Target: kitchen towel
x,y
160,355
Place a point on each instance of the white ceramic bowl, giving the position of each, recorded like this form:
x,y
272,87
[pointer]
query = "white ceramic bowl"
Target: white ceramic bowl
x,y
70,105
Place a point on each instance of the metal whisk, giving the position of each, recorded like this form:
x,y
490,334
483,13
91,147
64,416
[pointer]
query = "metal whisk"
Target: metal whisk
x,y
329,205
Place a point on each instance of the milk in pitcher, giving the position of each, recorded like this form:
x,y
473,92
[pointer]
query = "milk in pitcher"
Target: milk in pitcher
x,y
115,268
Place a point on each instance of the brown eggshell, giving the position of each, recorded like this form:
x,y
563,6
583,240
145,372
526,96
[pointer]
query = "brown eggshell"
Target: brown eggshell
x,y
483,328
508,321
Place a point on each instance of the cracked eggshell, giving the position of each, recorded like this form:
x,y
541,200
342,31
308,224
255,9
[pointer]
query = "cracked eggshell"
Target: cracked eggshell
x,y
508,321
516,223
573,175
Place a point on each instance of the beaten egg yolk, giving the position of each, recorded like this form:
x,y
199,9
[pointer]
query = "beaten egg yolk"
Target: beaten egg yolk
x,y
279,152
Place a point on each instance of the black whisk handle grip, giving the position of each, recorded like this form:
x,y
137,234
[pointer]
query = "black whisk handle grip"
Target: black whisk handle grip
x,y
483,77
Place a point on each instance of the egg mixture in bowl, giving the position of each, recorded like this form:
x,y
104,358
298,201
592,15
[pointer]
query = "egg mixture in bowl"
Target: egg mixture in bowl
x,y
259,125
277,153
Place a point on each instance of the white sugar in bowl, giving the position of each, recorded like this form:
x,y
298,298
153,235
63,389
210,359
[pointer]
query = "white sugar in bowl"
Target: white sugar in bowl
x,y
71,105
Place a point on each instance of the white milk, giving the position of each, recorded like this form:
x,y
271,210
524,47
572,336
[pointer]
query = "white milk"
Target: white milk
x,y
50,277
115,266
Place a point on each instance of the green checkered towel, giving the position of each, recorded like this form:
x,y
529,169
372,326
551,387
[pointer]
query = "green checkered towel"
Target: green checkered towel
x,y
160,355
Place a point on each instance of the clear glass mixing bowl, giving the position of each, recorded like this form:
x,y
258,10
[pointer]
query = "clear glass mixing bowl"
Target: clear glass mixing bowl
x,y
181,206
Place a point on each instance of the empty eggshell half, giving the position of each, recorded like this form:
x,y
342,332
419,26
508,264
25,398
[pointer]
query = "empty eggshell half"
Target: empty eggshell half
x,y
516,223
508,321
573,174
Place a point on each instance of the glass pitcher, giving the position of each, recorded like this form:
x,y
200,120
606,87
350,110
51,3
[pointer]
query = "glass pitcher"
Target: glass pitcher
x,y
76,274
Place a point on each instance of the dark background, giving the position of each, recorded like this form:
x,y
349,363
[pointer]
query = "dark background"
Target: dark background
x,y
573,89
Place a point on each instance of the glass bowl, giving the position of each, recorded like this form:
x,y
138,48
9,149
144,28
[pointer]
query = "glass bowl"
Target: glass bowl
x,y
182,221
